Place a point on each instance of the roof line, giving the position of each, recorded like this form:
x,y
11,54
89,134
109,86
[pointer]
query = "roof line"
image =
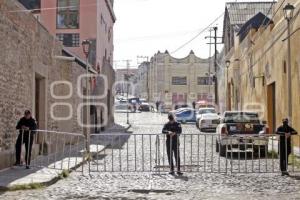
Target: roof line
x,y
78,60
250,2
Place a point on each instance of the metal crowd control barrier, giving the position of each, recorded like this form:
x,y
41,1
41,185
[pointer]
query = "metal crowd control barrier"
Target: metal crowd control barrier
x,y
197,153
51,149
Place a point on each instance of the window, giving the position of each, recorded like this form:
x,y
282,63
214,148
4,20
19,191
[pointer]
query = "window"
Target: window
x,y
204,81
68,14
69,39
31,4
179,80
103,23
284,67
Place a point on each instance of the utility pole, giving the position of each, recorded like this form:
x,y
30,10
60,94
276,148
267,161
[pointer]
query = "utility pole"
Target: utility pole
x,y
216,69
209,68
215,77
142,57
127,88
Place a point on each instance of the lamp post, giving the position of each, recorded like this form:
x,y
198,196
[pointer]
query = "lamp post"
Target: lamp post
x,y
288,15
227,93
86,50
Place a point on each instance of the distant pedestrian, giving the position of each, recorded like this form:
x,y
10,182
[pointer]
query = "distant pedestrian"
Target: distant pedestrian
x,y
26,127
194,104
285,147
173,130
157,105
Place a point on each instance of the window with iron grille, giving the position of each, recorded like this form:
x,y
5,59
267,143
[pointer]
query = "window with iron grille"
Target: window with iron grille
x,y
177,80
69,39
204,81
67,14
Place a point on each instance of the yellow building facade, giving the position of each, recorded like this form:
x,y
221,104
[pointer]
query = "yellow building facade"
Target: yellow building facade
x,y
257,75
174,81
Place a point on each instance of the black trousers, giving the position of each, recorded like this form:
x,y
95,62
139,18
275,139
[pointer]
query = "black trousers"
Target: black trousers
x,y
172,145
284,152
27,139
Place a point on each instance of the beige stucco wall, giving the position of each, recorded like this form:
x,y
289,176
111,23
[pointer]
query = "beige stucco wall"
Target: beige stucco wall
x,y
163,67
269,53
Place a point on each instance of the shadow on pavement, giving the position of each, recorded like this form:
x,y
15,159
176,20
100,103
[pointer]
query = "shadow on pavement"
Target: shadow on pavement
x,y
296,177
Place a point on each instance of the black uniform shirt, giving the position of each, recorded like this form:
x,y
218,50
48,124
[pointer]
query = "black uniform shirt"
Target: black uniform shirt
x,y
285,143
30,123
174,127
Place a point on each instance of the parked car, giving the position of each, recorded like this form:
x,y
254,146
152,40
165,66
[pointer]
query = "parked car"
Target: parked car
x,y
241,132
121,105
144,107
185,116
207,119
209,122
180,110
181,106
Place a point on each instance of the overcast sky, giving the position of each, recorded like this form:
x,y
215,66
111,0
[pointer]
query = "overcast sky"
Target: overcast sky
x,y
145,26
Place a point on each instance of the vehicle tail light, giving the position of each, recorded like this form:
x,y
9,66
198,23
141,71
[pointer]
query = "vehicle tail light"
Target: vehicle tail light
x,y
224,131
267,130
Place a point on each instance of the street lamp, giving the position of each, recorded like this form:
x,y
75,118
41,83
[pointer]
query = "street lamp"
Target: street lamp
x,y
228,62
86,50
288,11
289,14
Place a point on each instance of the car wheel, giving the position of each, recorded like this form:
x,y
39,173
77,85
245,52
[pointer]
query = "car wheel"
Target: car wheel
x,y
222,150
263,151
197,124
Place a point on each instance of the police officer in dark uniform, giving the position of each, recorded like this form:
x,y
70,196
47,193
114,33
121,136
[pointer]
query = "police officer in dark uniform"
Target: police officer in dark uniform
x,y
173,130
285,147
26,127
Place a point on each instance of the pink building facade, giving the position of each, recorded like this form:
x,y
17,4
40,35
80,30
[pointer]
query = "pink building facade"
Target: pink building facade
x,y
71,22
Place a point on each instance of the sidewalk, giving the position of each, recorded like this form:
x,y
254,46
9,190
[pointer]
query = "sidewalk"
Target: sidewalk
x,y
18,178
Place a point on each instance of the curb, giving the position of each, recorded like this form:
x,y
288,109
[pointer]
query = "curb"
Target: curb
x,y
32,186
60,176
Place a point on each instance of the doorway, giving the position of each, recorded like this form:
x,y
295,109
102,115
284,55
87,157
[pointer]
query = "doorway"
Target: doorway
x,y
40,101
271,106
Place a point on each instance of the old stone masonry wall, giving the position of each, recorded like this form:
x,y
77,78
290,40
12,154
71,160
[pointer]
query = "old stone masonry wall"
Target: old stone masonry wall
x,y
27,53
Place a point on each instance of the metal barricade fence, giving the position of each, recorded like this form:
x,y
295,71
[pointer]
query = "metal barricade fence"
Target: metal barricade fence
x,y
51,149
203,152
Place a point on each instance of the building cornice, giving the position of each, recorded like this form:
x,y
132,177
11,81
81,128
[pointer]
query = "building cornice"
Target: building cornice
x,y
191,54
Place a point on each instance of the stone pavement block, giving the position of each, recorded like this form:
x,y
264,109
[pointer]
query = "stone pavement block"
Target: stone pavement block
x,y
18,176
96,148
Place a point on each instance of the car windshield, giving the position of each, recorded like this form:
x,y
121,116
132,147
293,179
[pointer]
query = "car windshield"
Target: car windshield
x,y
241,118
206,111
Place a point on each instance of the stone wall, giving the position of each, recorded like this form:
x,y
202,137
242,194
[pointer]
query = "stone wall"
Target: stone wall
x,y
29,55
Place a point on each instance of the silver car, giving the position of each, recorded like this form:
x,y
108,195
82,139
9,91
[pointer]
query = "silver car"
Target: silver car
x,y
207,119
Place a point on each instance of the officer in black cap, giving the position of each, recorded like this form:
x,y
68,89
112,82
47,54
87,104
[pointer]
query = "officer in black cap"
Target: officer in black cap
x,y
285,147
173,130
26,127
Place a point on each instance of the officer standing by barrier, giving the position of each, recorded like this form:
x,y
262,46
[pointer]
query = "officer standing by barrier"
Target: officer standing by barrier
x,y
285,146
27,127
173,130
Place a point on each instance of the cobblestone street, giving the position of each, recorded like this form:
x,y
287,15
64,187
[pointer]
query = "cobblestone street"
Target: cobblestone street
x,y
197,183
